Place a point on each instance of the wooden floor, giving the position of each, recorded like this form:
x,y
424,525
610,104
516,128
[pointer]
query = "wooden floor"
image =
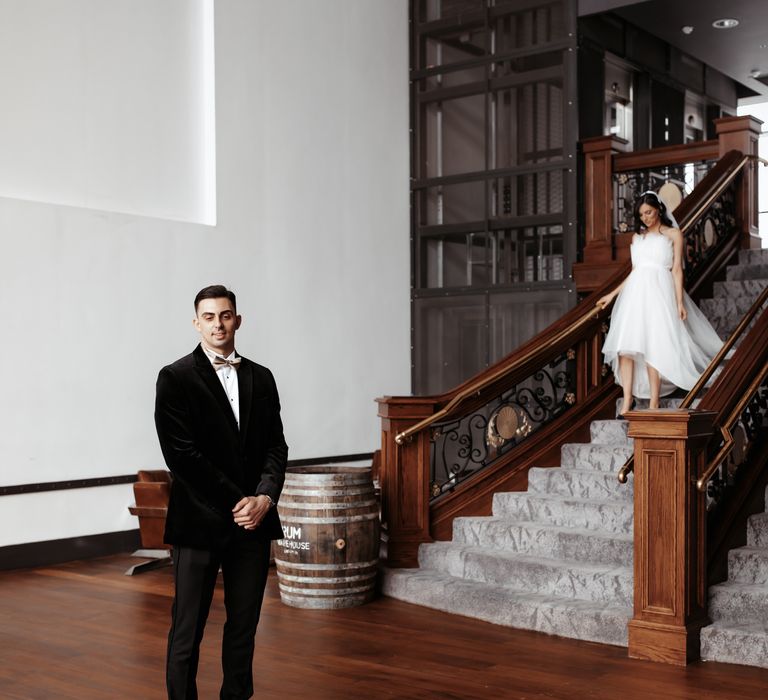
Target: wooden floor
x,y
84,630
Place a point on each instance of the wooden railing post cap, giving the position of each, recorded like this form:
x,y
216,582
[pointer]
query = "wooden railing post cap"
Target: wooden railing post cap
x,y
670,423
412,408
726,125
594,144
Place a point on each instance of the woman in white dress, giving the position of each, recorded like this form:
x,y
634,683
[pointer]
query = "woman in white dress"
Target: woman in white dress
x,y
658,339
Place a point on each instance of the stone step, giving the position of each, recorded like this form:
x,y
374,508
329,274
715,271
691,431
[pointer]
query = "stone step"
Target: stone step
x,y
745,644
757,530
609,432
753,271
726,310
748,565
725,327
605,458
665,402
566,617
755,255
606,515
579,483
738,602
599,583
539,539
740,288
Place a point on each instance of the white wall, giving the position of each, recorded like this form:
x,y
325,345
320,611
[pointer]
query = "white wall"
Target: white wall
x,y
106,105
312,233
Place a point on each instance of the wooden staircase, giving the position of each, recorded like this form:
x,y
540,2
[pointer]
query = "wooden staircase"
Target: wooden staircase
x,y
558,558
498,533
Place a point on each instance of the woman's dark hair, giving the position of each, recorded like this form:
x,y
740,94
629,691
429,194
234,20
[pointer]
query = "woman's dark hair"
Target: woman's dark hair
x,y
651,199
216,291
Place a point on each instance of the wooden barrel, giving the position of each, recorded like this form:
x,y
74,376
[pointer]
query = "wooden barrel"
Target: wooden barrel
x,y
328,557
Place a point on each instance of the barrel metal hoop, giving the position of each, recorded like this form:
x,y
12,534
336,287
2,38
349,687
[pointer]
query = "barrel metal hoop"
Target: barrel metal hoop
x,y
288,491
293,505
335,592
289,519
320,567
324,579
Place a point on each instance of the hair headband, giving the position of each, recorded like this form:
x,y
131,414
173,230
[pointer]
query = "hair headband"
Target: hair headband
x,y
662,203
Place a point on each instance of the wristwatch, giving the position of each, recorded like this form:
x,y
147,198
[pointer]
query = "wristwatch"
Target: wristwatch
x,y
271,502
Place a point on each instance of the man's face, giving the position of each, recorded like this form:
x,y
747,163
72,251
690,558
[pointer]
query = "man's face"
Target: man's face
x,y
217,322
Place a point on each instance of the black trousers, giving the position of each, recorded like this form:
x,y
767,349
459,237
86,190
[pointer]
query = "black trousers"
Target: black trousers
x,y
244,565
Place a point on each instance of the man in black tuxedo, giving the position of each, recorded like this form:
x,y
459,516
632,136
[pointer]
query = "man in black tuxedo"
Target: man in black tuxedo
x,y
218,420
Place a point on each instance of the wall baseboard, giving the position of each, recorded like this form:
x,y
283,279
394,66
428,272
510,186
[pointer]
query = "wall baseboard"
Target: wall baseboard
x,y
18,489
34,554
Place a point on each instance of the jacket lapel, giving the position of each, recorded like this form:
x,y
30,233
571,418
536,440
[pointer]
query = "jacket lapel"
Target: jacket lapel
x,y
208,375
245,389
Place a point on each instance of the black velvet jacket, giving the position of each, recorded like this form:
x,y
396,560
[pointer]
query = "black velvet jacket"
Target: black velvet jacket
x,y
213,463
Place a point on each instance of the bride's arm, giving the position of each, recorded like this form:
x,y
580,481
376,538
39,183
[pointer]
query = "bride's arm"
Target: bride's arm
x,y
677,269
603,301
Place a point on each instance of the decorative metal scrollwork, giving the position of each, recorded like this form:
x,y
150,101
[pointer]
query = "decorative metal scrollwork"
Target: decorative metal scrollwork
x,y
752,424
703,239
462,447
627,187
506,423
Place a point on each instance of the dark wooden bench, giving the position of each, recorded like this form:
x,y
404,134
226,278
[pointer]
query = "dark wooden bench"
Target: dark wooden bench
x,y
151,491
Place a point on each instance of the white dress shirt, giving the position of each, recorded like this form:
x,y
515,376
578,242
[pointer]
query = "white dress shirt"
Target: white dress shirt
x,y
228,377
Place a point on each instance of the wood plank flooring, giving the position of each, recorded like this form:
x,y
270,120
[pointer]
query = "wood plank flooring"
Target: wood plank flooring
x,y
84,631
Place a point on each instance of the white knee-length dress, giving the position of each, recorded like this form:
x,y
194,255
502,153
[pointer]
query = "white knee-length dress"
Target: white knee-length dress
x,y
645,324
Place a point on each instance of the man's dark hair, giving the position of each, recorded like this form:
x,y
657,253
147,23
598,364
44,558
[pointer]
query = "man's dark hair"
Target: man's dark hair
x,y
216,291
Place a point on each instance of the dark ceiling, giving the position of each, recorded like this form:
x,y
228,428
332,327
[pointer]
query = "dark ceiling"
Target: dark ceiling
x,y
735,52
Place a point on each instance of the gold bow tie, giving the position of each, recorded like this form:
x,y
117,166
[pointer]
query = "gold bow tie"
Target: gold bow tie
x,y
219,362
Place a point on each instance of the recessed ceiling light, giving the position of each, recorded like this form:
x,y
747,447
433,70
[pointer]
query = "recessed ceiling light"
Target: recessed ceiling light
x,y
725,23
687,29
755,73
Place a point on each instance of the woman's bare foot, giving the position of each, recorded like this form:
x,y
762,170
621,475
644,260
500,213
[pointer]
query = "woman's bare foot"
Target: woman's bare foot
x,y
627,404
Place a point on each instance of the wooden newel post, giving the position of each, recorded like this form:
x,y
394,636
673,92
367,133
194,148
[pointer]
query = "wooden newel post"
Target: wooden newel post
x,y
404,479
742,134
599,259
670,591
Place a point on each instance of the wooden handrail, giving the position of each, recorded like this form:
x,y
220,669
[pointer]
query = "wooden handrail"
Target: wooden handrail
x,y
711,187
516,363
690,397
666,155
727,345
737,383
727,427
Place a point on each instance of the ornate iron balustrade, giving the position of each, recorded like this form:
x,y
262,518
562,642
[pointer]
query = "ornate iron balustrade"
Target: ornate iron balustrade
x,y
750,427
460,448
628,185
704,237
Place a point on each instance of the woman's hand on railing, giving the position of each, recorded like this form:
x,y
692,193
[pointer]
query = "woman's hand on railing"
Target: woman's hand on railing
x,y
604,302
